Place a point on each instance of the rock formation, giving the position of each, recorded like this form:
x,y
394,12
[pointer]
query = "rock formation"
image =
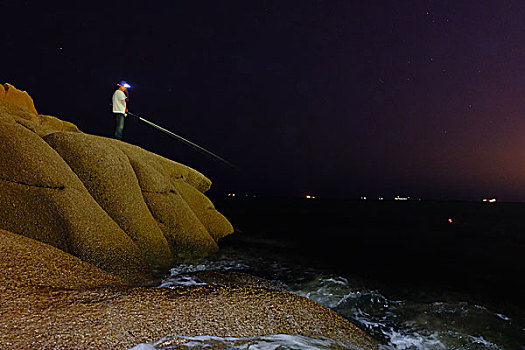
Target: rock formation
x,y
112,204
83,217
51,299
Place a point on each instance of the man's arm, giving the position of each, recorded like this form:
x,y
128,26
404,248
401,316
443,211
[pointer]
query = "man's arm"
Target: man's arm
x,y
126,99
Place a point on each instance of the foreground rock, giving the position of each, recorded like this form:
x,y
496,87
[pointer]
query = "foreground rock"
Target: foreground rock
x,y
51,299
110,203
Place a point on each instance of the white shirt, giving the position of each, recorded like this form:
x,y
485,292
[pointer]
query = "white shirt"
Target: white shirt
x,y
119,102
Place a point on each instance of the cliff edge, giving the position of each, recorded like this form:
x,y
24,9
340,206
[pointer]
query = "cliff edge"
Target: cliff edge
x,y
110,203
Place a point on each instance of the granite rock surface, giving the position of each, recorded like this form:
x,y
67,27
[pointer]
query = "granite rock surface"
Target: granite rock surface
x,y
84,220
53,300
112,204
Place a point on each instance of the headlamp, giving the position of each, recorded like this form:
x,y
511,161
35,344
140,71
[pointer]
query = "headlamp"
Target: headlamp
x,y
124,84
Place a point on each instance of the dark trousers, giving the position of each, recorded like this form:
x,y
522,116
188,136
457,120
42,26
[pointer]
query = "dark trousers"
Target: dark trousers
x,y
119,125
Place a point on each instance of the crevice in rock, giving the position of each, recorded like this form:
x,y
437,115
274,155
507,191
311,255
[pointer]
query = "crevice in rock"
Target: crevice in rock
x,y
160,221
159,192
31,185
25,126
143,190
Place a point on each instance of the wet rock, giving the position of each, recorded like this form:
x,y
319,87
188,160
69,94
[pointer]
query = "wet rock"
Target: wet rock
x,y
230,278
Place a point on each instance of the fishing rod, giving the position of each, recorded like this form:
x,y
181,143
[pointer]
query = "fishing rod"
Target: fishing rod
x,y
188,142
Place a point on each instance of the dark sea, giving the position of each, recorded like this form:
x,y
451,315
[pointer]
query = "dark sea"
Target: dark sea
x,y
414,274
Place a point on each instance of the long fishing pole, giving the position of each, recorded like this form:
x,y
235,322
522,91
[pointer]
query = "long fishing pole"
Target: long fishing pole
x,y
188,142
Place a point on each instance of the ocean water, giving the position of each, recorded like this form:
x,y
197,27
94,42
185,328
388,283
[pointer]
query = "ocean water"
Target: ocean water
x,y
446,323
398,314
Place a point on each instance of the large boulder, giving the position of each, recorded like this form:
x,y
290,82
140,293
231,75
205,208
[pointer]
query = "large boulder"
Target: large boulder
x,y
184,219
108,176
51,299
43,199
115,205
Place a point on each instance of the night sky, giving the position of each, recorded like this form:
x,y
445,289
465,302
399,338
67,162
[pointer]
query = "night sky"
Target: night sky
x,y
333,98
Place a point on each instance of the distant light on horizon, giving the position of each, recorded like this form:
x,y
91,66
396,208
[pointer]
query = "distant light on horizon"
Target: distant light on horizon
x,y
398,198
489,200
309,196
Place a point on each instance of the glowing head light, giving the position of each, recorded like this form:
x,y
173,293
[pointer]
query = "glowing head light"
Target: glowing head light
x,y
124,84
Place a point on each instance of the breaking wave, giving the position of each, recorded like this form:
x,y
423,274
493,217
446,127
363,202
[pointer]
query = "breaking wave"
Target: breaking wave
x,y
397,324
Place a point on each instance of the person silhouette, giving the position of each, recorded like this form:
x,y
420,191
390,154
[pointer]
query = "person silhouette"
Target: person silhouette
x,y
120,109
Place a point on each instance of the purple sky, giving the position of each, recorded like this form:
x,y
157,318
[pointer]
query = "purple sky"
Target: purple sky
x,y
336,98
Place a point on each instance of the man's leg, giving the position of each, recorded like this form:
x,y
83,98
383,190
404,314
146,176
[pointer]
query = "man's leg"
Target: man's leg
x,y
119,125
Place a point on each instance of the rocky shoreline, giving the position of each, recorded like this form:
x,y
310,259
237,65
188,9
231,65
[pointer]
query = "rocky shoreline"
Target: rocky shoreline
x,y
83,222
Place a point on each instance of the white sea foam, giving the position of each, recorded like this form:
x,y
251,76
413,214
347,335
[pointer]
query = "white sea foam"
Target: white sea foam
x,y
180,280
503,317
181,274
404,341
268,342
144,346
207,266
483,341
401,324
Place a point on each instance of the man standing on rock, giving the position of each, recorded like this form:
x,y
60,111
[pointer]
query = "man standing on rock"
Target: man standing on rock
x,y
120,99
